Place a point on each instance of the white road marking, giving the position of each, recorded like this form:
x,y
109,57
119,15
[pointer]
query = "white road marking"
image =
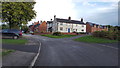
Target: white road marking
x,y
35,58
108,46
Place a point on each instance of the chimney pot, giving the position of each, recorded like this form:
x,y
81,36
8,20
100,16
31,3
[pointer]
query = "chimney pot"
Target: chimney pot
x,y
51,19
81,19
69,18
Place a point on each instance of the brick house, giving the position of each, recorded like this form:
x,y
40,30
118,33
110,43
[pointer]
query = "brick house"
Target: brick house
x,y
38,27
92,27
43,27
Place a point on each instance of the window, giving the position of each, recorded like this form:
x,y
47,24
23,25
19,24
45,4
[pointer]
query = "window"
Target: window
x,y
76,29
61,28
82,30
61,23
76,24
66,29
82,25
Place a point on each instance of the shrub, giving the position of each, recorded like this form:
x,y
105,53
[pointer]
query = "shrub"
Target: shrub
x,y
107,34
57,33
82,33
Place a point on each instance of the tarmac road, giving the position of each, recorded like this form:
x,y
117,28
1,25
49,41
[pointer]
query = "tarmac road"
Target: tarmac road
x,y
66,52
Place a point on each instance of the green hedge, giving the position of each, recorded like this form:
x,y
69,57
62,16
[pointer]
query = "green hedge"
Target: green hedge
x,y
57,33
113,35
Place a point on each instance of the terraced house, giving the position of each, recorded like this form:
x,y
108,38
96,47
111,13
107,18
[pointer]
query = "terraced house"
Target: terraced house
x,y
66,25
38,27
92,27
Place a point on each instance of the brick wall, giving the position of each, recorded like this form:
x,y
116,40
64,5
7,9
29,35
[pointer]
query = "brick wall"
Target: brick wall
x,y
43,27
88,28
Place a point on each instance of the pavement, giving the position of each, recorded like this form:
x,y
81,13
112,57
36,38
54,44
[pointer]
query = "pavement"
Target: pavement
x,y
23,55
18,58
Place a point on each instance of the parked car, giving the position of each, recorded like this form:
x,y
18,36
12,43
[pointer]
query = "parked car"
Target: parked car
x,y
11,33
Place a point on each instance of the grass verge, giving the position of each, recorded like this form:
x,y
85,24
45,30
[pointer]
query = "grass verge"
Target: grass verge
x,y
6,52
91,39
13,41
61,36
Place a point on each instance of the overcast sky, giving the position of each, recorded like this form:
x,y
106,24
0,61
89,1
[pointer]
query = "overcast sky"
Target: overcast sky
x,y
103,12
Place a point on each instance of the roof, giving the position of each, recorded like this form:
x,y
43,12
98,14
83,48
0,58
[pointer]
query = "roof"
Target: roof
x,y
49,21
92,24
36,25
69,21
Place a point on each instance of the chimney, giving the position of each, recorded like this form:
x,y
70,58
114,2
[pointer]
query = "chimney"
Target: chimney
x,y
81,19
51,19
54,16
69,18
41,21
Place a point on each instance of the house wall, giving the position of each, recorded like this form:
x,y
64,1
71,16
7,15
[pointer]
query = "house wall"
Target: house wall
x,y
88,28
43,27
72,27
91,29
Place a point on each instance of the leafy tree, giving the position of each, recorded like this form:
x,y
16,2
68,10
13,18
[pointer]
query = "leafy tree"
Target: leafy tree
x,y
4,26
17,13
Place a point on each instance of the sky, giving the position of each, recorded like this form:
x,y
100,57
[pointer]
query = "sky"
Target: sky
x,y
104,12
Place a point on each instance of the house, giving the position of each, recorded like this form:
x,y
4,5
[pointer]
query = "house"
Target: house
x,y
38,26
92,27
65,25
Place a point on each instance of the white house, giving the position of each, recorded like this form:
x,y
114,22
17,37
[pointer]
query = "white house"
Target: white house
x,y
66,25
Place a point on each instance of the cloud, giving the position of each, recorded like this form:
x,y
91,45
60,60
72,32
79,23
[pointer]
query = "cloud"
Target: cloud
x,y
90,10
88,4
46,9
96,0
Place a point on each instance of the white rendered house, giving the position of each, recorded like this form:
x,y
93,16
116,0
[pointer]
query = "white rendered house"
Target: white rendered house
x,y
66,25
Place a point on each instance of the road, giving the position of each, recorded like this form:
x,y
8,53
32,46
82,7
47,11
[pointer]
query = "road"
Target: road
x,y
66,52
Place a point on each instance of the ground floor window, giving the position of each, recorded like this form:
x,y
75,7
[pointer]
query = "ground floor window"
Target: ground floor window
x,y
82,30
61,28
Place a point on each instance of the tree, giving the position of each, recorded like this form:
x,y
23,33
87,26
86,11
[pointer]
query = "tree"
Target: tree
x,y
4,26
17,13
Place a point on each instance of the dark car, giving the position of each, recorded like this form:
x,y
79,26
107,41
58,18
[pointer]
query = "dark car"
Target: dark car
x,y
11,33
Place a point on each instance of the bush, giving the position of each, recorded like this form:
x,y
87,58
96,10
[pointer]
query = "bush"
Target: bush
x,y
100,34
57,33
82,33
107,34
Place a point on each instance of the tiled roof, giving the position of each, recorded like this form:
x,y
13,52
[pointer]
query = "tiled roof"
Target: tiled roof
x,y
92,24
69,21
49,21
36,25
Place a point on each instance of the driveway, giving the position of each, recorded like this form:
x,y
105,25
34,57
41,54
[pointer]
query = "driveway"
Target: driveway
x,y
66,52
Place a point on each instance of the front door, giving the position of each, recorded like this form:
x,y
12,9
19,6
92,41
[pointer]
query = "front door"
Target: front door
x,y
68,30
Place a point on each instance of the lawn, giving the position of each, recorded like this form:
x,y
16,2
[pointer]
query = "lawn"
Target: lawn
x,y
61,36
13,41
6,52
91,39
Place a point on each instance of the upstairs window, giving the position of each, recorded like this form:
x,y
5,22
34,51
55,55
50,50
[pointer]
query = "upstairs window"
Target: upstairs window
x,y
82,25
76,25
61,23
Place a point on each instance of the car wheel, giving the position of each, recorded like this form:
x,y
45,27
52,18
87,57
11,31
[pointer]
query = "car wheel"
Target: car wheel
x,y
15,37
